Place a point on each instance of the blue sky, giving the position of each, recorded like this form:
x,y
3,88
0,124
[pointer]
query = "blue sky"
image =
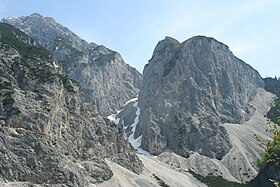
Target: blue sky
x,y
251,28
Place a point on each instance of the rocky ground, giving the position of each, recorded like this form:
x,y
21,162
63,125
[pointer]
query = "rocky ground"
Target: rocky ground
x,y
154,171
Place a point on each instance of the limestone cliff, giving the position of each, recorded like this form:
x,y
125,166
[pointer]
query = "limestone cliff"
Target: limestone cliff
x,y
48,134
104,77
189,90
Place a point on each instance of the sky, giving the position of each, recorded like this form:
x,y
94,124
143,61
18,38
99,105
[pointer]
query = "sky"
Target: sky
x,y
251,28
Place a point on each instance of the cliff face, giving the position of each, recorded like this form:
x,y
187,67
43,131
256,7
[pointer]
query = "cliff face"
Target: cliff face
x,y
102,74
266,175
48,134
189,90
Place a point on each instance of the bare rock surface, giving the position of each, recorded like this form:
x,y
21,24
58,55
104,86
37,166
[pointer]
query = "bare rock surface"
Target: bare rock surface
x,y
189,91
102,74
153,167
49,135
239,164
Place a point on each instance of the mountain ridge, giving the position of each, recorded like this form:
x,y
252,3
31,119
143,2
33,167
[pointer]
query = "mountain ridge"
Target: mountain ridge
x,y
93,66
49,135
197,100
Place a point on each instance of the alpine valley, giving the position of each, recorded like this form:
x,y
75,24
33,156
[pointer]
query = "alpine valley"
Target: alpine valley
x,y
73,113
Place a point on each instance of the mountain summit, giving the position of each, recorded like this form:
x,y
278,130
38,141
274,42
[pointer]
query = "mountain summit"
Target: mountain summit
x,y
102,74
189,90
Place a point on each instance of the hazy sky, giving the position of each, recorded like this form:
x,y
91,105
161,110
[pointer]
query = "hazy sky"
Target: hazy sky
x,y
251,28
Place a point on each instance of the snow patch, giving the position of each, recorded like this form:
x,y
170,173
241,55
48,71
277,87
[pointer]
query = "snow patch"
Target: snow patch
x,y
131,100
136,143
113,117
55,64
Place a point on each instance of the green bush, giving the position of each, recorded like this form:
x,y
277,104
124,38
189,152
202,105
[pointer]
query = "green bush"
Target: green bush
x,y
216,181
271,155
272,151
272,85
160,181
274,111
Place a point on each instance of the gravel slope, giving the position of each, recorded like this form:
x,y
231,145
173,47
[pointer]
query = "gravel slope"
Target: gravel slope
x,y
239,164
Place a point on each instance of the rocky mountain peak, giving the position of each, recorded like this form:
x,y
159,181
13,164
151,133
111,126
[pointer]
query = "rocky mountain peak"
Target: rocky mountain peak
x,y
36,15
206,44
46,30
166,45
171,42
95,67
191,89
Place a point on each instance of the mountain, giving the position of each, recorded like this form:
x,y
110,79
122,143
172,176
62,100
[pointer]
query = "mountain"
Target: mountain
x,y
48,135
189,90
105,79
199,108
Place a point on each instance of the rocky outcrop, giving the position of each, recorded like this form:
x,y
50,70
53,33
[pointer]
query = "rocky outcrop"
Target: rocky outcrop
x,y
189,90
239,164
267,176
48,134
102,74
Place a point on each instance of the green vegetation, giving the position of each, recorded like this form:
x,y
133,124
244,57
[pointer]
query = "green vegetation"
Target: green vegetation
x,y
217,181
43,75
272,85
13,37
272,152
274,111
160,181
271,155
30,52
67,82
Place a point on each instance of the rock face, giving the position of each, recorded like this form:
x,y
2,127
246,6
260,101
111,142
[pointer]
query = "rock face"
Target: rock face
x,y
48,134
270,172
189,90
104,77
